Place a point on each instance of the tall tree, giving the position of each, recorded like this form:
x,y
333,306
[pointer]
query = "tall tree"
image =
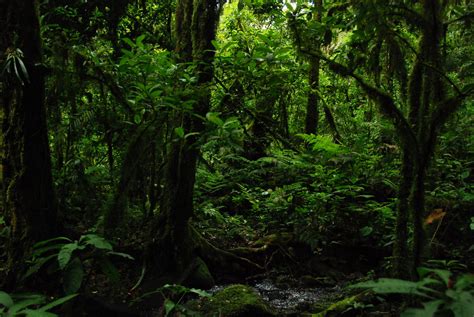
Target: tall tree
x,y
30,206
174,247
312,107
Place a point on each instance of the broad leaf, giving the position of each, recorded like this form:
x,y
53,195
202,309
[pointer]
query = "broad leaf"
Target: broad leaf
x,y
214,118
392,286
429,310
5,299
64,255
169,307
97,241
73,276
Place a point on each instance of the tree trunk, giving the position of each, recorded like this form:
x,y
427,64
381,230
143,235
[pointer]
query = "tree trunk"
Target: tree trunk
x,y
312,107
30,207
173,250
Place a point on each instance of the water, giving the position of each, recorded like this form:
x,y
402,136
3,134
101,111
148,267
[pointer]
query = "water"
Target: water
x,y
289,297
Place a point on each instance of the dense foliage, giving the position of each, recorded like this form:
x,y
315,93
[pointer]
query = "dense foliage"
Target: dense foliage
x,y
152,146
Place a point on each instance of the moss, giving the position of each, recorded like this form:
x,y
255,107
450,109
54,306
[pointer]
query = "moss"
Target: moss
x,y
237,301
201,277
338,308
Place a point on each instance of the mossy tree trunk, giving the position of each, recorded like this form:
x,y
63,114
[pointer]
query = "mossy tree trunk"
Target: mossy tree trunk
x,y
173,249
30,206
312,106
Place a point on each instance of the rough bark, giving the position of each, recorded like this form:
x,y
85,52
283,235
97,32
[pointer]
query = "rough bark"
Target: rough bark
x,y
312,106
30,201
174,250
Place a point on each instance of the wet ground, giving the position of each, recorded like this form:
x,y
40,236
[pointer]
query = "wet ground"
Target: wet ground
x,y
290,298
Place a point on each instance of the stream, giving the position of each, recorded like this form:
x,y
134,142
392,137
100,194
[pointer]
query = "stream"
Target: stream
x,y
289,298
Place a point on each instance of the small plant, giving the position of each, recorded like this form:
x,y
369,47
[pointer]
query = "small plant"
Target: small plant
x,y
444,294
174,296
29,305
70,256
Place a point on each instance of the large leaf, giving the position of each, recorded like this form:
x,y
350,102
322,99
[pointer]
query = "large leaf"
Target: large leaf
x,y
64,255
73,276
169,307
5,299
22,304
462,304
96,241
429,310
392,286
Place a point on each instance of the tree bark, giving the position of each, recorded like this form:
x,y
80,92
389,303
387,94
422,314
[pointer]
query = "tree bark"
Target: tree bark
x,y
312,107
30,209
173,249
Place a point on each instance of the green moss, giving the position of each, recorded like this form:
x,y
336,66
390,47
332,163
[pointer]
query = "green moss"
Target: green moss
x,y
237,301
201,277
337,308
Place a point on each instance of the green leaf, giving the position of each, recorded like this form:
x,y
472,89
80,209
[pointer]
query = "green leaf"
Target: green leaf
x,y
5,299
429,310
57,302
39,251
64,255
37,313
392,286
73,276
22,304
42,243
137,118
214,118
96,241
140,40
444,275
366,231
463,303
37,264
169,307
199,292
179,131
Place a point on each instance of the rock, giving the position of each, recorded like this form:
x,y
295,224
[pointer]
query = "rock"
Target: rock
x,y
236,301
200,277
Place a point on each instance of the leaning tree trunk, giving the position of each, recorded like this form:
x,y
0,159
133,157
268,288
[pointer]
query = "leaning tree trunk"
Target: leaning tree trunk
x,y
30,206
173,252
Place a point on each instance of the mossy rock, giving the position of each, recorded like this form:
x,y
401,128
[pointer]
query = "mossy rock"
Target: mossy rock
x,y
237,301
200,277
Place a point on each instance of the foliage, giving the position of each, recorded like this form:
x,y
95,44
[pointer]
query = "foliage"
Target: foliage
x,y
29,305
70,257
442,292
174,296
